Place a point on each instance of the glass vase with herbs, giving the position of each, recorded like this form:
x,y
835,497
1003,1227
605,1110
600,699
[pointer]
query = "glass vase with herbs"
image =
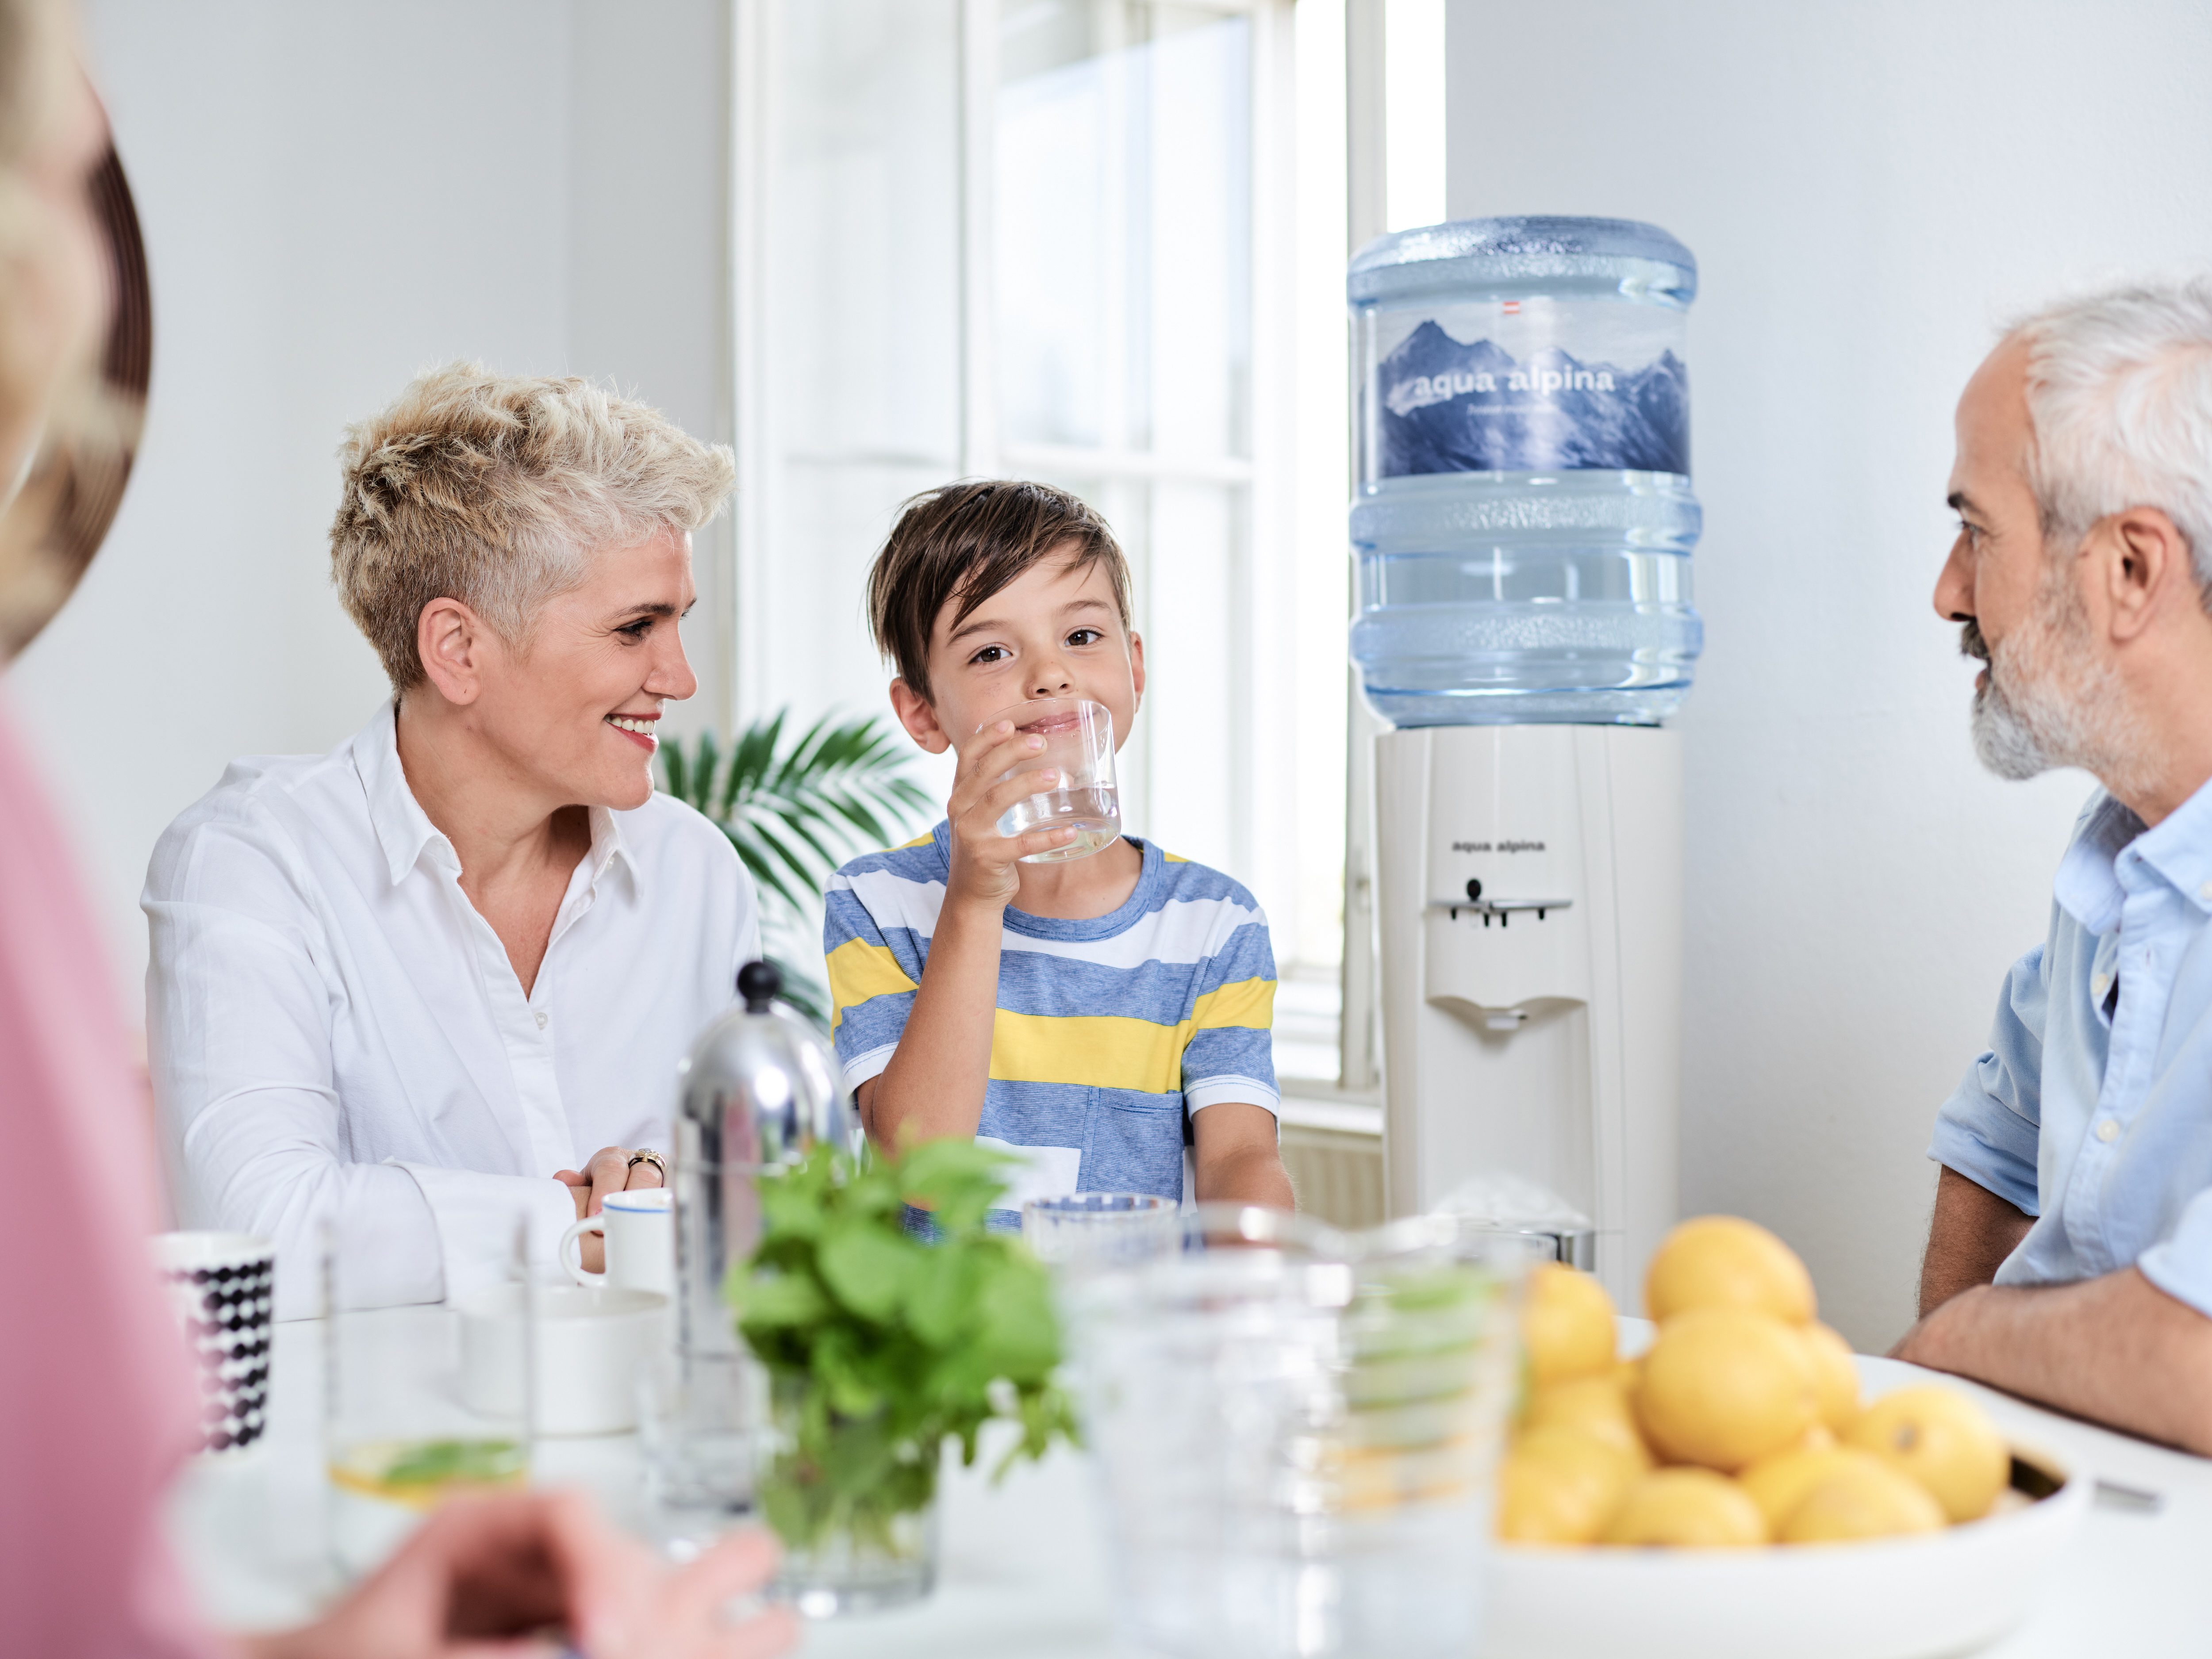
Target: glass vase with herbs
x,y
879,1347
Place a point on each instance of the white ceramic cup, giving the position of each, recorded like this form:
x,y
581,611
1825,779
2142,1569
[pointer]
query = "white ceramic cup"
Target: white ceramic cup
x,y
590,1344
640,1228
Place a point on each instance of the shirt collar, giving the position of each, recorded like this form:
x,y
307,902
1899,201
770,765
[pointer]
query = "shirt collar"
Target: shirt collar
x,y
404,829
2179,852
2181,848
607,845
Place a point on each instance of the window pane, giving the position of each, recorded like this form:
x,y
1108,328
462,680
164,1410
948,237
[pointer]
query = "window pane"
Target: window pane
x,y
864,228
1123,226
1197,725
860,254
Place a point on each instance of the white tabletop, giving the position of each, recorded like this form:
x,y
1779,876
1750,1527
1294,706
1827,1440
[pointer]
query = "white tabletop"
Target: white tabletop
x,y
1023,1569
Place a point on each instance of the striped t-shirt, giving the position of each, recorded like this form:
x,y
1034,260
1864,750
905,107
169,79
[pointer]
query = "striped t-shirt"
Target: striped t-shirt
x,y
1109,1030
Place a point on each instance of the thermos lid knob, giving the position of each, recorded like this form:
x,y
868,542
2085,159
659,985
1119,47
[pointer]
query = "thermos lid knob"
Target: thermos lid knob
x,y
759,983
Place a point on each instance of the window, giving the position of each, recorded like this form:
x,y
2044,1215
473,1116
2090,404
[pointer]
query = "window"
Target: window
x,y
1049,239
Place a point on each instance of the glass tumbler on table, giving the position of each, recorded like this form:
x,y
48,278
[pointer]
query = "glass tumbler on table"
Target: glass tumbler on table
x,y
1295,1432
1084,1230
414,1412
1078,744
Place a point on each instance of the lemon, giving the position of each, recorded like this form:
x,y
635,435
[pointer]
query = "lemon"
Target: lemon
x,y
1777,1484
1723,1386
1943,1440
1836,1377
1566,1323
1557,1485
1862,1497
1725,1262
1596,1405
1687,1509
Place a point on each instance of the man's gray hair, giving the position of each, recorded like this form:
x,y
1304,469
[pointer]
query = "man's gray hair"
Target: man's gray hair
x,y
2120,392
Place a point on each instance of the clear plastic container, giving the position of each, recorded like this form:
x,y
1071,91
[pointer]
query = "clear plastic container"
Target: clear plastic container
x,y
1523,519
1294,1432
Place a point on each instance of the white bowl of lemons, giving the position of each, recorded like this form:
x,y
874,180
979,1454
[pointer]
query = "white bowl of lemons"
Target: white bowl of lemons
x,y
1727,1492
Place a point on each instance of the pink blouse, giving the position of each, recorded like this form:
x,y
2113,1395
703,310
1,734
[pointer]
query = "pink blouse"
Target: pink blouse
x,y
95,1391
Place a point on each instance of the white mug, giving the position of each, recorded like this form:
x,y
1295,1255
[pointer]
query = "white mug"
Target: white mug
x,y
590,1344
640,1228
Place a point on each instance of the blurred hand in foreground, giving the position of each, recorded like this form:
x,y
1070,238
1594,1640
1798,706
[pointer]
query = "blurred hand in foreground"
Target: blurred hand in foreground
x,y
540,1572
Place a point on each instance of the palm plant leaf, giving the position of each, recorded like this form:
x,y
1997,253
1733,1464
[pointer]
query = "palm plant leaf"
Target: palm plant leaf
x,y
794,809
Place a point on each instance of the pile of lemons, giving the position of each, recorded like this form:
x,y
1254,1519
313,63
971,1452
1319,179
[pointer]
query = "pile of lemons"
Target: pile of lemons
x,y
1741,1425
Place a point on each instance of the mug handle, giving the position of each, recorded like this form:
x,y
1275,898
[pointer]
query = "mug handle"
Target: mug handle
x,y
574,1236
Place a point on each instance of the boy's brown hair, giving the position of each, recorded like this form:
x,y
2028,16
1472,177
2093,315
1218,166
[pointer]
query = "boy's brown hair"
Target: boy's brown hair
x,y
964,543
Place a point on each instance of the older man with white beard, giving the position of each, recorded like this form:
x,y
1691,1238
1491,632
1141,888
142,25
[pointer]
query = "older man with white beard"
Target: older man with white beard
x,y
2070,1256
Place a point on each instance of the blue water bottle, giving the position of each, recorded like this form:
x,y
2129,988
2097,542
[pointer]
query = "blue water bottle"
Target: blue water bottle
x,y
1523,519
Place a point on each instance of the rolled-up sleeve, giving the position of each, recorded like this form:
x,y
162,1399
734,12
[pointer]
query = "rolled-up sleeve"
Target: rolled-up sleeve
x,y
1987,1130
239,1038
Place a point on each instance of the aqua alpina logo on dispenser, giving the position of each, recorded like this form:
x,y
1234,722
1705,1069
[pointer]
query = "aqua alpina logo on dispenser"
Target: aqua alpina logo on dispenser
x,y
1493,387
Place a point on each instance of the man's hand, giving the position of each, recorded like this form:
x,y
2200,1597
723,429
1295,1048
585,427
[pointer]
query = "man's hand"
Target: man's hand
x,y
1235,1159
983,873
2116,1350
1973,1231
607,1170
486,1570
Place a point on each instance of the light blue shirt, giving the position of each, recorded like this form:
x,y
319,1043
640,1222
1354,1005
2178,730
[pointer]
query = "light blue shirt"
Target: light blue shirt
x,y
2092,1110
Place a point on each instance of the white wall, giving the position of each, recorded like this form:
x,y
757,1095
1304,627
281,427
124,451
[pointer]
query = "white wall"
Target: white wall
x,y
1868,188
334,197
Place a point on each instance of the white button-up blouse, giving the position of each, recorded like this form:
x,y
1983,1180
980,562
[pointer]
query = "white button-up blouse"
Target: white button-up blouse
x,y
336,1035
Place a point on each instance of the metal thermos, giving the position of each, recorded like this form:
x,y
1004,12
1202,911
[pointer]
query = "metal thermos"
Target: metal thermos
x,y
760,1091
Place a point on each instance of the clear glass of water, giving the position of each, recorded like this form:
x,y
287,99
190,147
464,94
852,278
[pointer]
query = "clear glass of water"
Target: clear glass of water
x,y
1294,1432
413,1413
700,1419
1090,1230
1078,743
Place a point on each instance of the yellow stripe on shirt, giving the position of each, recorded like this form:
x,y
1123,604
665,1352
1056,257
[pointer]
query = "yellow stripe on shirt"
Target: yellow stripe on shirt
x,y
1113,1051
1247,1002
1097,1051
858,970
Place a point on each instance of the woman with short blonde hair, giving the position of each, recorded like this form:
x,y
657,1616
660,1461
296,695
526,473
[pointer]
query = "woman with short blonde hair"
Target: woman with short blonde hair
x,y
440,978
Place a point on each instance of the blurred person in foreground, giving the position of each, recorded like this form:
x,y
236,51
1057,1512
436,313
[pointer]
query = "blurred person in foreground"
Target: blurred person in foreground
x,y
443,976
96,1396
2069,1260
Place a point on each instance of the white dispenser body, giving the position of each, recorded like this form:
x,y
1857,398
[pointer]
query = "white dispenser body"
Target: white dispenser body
x,y
1532,1022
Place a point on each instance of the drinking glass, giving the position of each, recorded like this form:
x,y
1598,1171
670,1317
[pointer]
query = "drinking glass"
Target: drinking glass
x,y
1295,1432
403,1429
1086,1230
700,1418
1079,742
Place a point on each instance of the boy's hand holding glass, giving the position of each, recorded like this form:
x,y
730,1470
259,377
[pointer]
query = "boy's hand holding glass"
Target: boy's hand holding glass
x,y
1078,743
997,771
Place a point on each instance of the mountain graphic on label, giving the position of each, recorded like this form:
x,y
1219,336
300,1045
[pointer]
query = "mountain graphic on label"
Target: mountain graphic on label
x,y
1448,406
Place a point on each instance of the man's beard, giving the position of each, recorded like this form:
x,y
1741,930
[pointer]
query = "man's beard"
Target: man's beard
x,y
2047,702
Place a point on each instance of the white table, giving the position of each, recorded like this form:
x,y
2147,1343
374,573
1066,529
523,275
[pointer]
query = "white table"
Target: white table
x,y
1022,1571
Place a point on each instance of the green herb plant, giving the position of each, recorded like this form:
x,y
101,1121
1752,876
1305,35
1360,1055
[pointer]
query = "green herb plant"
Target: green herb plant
x,y
879,1345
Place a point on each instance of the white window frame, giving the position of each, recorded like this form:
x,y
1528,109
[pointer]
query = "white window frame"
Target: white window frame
x,y
1260,607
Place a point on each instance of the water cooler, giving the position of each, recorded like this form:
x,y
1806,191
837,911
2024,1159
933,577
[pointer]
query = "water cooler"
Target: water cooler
x,y
1522,529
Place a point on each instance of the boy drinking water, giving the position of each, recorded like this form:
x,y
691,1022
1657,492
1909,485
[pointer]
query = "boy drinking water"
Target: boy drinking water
x,y
1079,1014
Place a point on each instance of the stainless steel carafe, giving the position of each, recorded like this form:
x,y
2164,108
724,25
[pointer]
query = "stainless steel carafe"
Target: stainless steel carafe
x,y
760,1091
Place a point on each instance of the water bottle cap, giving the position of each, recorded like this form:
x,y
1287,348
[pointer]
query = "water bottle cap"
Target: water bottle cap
x,y
1525,251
